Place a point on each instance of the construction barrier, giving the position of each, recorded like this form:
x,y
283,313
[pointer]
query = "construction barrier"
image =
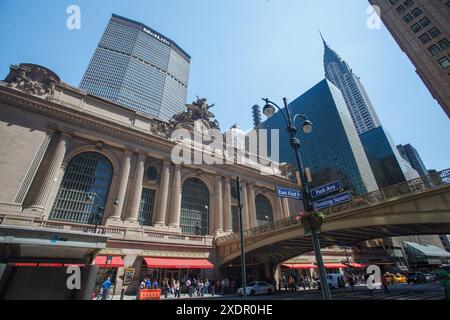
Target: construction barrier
x,y
149,294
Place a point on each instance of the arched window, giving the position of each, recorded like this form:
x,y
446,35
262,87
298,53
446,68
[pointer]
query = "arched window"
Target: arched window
x,y
263,210
88,175
194,207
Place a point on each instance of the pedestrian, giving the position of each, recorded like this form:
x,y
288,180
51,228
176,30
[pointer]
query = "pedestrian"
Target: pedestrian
x,y
106,286
206,286
155,284
384,282
166,287
189,287
213,288
177,289
351,282
148,283
201,287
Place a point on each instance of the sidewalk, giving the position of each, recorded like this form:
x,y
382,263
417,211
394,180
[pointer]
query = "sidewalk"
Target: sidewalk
x,y
171,297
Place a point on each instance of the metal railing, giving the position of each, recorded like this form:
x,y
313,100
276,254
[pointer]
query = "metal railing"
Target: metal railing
x,y
398,190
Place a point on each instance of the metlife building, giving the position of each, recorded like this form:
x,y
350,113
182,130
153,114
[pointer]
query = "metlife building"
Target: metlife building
x,y
139,68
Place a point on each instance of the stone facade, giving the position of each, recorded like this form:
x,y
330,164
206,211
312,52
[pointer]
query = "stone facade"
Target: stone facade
x,y
44,128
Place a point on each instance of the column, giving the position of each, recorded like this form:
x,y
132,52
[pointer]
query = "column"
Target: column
x,y
218,208
137,189
280,210
251,205
160,218
123,182
174,220
55,163
245,217
227,214
286,210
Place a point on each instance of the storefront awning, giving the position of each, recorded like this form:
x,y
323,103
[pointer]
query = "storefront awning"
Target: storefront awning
x,y
113,262
299,266
334,265
171,263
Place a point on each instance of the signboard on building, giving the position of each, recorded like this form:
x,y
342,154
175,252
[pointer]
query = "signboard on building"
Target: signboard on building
x,y
326,189
333,200
128,276
289,193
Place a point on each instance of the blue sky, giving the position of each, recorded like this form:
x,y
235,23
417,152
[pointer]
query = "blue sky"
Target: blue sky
x,y
241,51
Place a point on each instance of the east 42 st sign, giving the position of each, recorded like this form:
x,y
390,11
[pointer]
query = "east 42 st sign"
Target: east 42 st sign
x,y
289,193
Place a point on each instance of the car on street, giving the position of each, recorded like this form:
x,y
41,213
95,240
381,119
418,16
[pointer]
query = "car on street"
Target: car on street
x,y
395,278
430,277
416,277
334,280
257,288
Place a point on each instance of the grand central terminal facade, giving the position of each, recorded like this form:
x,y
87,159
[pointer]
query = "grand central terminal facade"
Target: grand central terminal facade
x,y
86,182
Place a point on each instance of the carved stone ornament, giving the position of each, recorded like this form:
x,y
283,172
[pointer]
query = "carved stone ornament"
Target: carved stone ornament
x,y
160,129
196,117
33,79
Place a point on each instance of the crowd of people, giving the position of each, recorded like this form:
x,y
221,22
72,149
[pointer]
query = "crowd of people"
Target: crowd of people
x,y
191,287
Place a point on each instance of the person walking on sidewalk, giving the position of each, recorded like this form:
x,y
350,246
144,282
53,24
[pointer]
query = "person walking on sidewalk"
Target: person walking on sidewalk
x,y
384,282
189,287
106,286
177,289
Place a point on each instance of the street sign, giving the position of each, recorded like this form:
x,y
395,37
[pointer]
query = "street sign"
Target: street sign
x,y
331,201
289,193
326,189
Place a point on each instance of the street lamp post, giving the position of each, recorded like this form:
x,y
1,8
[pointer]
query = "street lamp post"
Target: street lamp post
x,y
90,199
269,110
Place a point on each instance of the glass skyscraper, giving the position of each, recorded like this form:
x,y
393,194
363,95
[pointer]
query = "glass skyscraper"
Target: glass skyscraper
x,y
333,151
139,68
410,153
359,105
388,166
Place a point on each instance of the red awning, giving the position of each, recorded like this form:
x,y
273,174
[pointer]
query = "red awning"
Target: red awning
x,y
358,265
298,266
170,263
103,262
335,265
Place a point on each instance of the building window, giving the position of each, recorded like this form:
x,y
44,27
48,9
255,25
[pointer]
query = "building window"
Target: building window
x,y
434,32
408,18
416,12
152,173
88,174
416,27
408,3
444,43
146,207
444,62
235,219
434,50
194,207
425,38
393,2
263,210
425,22
401,10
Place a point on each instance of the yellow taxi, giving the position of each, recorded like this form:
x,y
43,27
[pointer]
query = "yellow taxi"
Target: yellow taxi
x,y
394,278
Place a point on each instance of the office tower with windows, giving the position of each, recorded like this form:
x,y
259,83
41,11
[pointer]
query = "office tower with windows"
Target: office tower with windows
x,y
139,68
422,30
388,166
410,153
359,105
333,151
